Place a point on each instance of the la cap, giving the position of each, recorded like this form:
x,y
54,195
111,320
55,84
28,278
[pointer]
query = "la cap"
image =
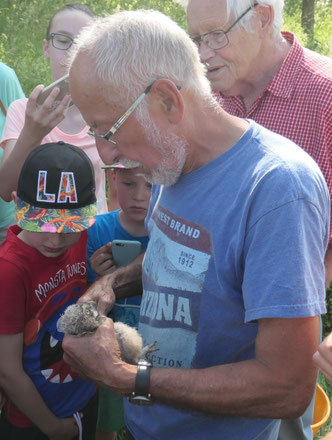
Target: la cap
x,y
56,190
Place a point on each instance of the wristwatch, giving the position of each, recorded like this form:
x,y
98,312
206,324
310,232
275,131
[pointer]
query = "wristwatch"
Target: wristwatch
x,y
141,396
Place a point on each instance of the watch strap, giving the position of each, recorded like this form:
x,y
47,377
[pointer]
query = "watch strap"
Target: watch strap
x,y
142,384
141,395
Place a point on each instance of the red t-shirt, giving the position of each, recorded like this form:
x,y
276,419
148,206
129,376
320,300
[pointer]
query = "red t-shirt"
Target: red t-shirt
x,y
34,292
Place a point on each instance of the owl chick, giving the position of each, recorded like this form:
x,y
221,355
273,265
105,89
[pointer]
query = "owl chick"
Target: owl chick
x,y
84,318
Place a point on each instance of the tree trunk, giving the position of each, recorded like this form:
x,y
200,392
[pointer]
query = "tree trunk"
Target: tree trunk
x,y
308,17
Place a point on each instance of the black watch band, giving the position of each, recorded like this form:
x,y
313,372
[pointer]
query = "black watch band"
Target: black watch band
x,y
141,394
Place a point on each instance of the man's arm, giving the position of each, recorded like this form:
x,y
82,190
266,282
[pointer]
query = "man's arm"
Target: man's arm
x,y
39,121
21,390
281,372
122,283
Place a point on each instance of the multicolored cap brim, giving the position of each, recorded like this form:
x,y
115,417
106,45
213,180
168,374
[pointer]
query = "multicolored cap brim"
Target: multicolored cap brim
x,y
61,221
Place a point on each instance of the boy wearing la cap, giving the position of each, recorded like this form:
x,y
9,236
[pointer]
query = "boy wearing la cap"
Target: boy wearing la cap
x,y
42,271
126,223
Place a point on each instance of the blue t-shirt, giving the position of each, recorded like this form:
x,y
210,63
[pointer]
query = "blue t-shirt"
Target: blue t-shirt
x,y
237,240
108,228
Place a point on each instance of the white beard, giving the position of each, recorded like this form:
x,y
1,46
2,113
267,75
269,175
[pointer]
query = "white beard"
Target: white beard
x,y
173,150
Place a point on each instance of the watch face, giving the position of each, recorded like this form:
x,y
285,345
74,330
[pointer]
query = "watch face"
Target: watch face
x,y
140,400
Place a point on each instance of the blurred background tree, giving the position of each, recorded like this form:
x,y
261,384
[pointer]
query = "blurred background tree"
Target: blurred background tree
x,y
23,26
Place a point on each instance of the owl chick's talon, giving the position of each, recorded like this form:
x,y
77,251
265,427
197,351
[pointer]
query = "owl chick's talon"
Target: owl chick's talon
x,y
148,349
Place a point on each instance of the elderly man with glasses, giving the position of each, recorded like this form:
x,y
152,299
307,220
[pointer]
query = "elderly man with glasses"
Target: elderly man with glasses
x,y
264,74
238,228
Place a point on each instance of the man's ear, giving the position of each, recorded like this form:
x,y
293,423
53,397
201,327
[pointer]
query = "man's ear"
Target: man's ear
x,y
14,196
265,15
45,48
167,100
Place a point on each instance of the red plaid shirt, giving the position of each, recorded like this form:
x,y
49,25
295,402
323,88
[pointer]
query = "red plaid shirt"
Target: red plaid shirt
x,y
297,104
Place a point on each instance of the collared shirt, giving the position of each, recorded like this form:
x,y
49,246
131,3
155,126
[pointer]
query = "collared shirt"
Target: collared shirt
x,y
296,104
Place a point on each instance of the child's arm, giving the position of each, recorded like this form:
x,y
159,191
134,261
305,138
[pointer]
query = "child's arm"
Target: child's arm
x,y
39,121
21,390
101,261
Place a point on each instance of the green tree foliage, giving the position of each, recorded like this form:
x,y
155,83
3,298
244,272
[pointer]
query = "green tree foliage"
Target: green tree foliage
x,y
321,38
23,25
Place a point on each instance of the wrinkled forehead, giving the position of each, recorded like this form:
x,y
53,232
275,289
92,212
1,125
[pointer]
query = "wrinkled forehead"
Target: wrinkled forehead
x,y
203,16
86,85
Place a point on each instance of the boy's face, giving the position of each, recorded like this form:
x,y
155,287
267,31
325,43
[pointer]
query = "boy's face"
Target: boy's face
x,y
133,193
49,244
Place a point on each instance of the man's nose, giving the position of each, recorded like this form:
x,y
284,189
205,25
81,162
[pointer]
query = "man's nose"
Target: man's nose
x,y
108,152
205,52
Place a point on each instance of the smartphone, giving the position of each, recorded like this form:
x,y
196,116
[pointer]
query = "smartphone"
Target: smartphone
x,y
62,83
125,251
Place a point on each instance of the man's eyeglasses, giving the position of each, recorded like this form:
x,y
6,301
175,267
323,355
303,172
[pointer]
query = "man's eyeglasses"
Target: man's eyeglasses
x,y
107,136
61,41
217,39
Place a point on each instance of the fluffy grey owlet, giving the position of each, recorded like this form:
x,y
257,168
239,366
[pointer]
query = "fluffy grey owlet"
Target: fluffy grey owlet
x,y
84,318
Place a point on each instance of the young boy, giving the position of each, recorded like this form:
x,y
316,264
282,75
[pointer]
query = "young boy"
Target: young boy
x,y
42,271
127,223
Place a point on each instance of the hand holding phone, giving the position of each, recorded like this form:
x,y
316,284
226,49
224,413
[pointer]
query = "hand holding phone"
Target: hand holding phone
x,y
63,84
101,261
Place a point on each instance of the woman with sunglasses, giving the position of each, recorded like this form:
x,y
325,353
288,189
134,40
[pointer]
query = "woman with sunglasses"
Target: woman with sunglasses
x,y
29,124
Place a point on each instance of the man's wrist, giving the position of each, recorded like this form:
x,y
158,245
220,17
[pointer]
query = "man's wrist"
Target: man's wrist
x,y
141,394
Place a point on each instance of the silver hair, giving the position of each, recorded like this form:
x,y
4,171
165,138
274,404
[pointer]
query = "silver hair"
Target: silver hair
x,y
236,8
131,49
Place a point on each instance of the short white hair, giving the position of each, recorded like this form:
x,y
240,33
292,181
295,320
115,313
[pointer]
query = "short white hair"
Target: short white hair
x,y
130,49
236,7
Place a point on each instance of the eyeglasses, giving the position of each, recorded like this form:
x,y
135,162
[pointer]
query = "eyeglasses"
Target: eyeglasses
x,y
61,41
107,136
217,39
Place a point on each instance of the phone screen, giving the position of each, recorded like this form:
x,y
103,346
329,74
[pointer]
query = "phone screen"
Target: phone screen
x,y
62,83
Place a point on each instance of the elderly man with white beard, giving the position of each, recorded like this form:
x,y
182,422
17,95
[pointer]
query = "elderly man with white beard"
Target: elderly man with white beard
x,y
238,227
